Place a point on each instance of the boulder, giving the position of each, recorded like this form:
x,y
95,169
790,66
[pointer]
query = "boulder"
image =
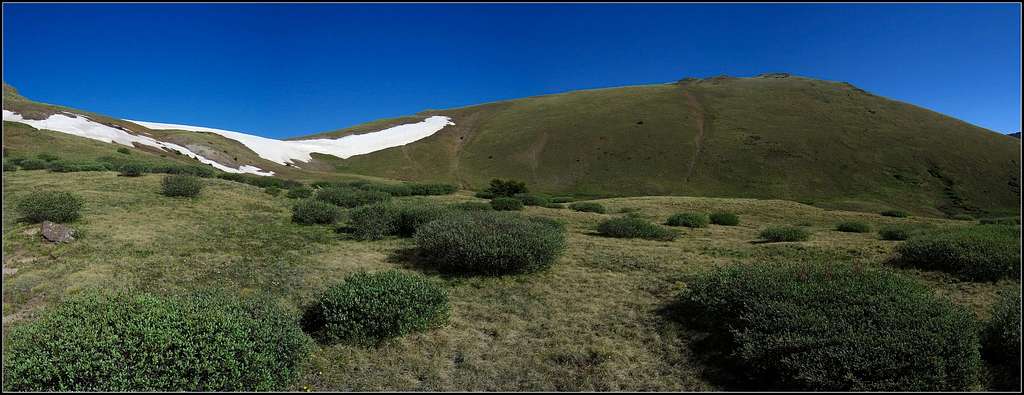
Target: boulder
x,y
57,233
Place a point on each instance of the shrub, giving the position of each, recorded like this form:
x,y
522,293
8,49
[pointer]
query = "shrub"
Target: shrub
x,y
1000,221
32,164
299,192
472,206
895,213
689,220
785,233
725,219
194,170
272,191
491,243
351,197
634,227
1000,340
312,211
432,189
962,217
181,185
53,206
132,170
853,227
260,181
835,327
393,219
554,205
484,195
506,204
9,165
140,342
977,253
507,188
561,199
321,184
588,207
47,157
371,307
531,200
124,150
71,167
894,233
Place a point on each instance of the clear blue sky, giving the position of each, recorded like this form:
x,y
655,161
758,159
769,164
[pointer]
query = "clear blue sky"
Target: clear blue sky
x,y
285,70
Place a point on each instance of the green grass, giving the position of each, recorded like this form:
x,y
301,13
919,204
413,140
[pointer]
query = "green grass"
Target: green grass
x,y
589,322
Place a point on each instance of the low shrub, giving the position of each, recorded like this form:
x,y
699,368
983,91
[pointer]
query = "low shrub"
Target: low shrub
x,y
894,233
785,233
124,150
976,253
531,200
507,188
834,327
272,191
588,207
140,342
312,211
193,170
472,206
376,221
132,170
47,157
55,206
181,185
1000,221
853,227
321,184
689,220
33,164
506,204
634,227
484,195
9,165
419,189
895,213
299,192
260,181
561,199
962,217
368,308
490,243
725,219
554,205
351,197
1000,340
72,167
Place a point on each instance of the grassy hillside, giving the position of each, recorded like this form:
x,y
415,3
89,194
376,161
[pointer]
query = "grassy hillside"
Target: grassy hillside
x,y
594,321
821,142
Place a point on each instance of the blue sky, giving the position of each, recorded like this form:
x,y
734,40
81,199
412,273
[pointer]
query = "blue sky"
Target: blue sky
x,y
285,70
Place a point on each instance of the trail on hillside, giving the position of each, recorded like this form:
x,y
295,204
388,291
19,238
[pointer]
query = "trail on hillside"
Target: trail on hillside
x,y
698,141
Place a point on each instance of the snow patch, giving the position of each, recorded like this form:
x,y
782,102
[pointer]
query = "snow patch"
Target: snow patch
x,y
285,151
82,126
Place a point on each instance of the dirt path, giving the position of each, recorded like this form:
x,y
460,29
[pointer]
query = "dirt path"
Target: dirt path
x,y
698,141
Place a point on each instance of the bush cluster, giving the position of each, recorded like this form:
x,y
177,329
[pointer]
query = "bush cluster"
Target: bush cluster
x,y
976,253
507,188
689,220
588,207
892,232
895,213
835,327
370,307
506,204
61,166
32,164
55,206
725,218
132,170
260,181
634,227
140,342
853,227
490,243
299,192
785,233
351,197
531,200
376,221
1000,339
472,206
312,211
185,185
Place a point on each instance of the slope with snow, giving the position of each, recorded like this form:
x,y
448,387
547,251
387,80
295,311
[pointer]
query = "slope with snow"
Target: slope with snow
x,y
286,151
82,126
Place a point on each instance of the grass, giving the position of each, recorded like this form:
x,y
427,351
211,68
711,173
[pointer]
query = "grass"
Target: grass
x,y
590,322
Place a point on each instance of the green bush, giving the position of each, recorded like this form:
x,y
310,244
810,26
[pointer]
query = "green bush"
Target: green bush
x,y
312,211
72,167
725,219
491,243
484,195
53,206
976,253
351,197
962,217
10,165
531,200
376,221
140,342
554,205
1000,221
260,181
272,191
588,207
32,164
561,199
634,227
181,185
895,213
472,206
507,188
368,308
47,157
785,233
419,189
689,220
124,150
299,192
853,227
194,170
835,327
1000,339
506,204
132,170
894,233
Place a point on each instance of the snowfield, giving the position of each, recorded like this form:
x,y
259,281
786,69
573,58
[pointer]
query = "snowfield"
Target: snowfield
x,y
284,151
82,126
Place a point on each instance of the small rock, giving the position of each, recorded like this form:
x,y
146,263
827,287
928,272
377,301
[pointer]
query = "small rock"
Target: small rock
x,y
57,233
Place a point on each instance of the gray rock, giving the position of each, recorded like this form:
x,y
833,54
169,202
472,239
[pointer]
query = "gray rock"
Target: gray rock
x,y
57,233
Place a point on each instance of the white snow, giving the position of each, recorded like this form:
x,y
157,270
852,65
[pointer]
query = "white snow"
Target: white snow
x,y
285,151
80,125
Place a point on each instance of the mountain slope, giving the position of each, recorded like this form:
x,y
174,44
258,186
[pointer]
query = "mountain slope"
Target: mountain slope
x,y
772,136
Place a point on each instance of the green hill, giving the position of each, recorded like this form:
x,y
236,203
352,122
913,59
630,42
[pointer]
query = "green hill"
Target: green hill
x,y
772,136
